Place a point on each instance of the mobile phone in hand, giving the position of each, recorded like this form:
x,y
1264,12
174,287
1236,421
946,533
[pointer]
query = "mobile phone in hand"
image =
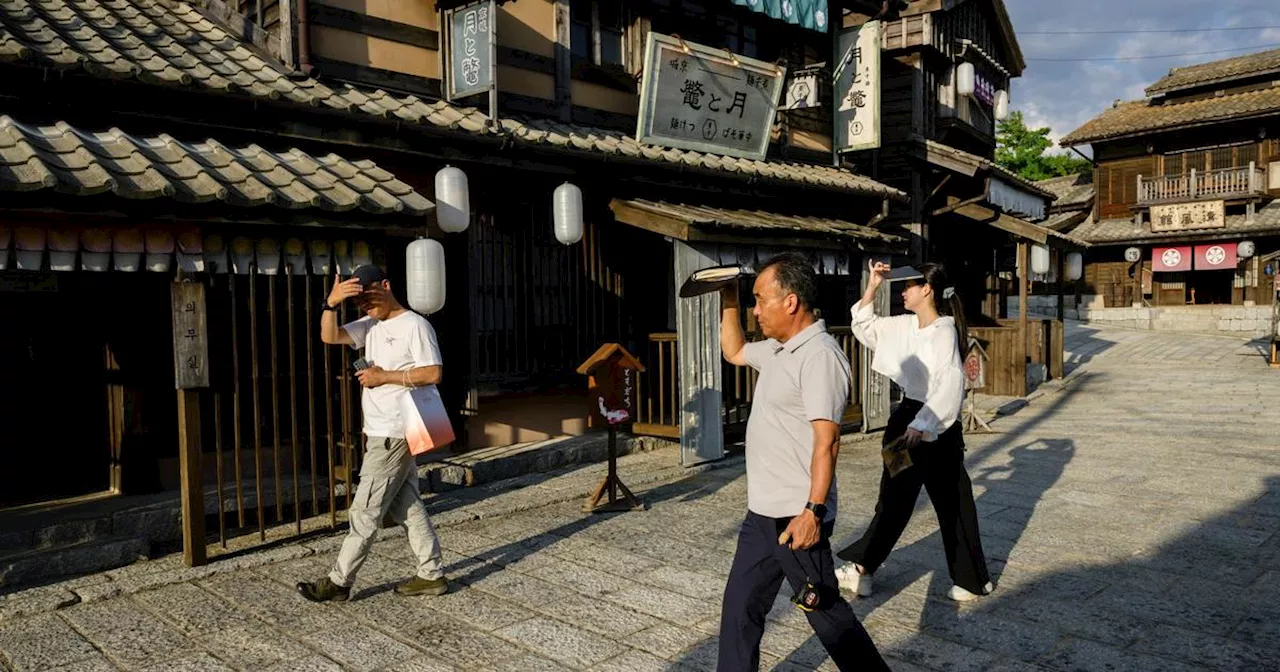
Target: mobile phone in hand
x,y
360,364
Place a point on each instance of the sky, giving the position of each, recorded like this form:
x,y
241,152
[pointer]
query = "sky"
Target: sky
x,y
1064,94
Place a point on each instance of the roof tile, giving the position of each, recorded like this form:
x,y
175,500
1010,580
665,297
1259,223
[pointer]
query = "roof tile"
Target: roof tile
x,y
1215,72
1142,116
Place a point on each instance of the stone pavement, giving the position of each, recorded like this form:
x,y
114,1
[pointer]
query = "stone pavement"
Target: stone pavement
x,y
1129,517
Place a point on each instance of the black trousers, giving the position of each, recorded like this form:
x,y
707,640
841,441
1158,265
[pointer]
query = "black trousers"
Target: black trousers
x,y
759,566
939,467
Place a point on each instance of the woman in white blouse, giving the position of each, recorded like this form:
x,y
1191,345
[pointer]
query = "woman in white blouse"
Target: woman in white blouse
x,y
920,352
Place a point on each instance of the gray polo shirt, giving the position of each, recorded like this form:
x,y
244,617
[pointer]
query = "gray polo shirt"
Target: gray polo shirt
x,y
779,433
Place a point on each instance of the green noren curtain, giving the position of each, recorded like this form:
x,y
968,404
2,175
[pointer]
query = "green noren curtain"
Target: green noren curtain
x,y
811,14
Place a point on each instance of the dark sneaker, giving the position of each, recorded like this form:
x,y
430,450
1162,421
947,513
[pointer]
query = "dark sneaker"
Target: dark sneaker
x,y
324,590
421,586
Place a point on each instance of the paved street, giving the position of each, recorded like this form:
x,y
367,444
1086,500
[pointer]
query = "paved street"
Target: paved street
x,y
1130,518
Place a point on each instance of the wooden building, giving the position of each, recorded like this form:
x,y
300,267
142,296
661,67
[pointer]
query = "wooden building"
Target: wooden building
x,y
1185,178
288,137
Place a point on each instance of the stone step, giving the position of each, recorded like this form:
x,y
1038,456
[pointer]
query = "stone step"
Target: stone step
x,y
488,465
27,567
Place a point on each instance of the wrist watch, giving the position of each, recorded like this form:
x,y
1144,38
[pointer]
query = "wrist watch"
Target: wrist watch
x,y
324,305
819,510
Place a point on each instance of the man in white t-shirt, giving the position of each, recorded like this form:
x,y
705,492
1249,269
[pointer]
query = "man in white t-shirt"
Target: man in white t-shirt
x,y
402,353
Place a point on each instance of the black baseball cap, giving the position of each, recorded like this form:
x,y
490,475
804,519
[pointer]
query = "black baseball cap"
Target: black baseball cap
x,y
903,273
368,274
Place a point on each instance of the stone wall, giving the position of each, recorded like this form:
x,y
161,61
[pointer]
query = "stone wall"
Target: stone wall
x,y
1243,321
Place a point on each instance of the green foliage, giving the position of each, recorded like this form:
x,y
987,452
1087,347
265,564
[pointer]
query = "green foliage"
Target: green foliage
x,y
1022,150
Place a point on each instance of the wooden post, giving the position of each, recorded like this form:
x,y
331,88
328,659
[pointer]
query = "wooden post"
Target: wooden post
x,y
1061,279
193,541
1023,266
191,371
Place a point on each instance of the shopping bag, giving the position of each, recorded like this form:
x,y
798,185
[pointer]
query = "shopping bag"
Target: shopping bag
x,y
896,457
426,424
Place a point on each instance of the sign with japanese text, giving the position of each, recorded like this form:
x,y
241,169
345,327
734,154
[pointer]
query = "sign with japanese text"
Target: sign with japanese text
x,y
1216,257
1171,259
802,91
471,40
857,88
190,336
1188,216
707,100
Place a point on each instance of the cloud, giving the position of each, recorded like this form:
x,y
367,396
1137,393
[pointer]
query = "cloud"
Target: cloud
x,y
1063,95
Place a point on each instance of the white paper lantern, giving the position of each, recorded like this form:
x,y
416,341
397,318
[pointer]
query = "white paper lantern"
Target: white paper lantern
x,y
1073,267
1132,254
965,79
424,275
567,208
1039,259
1002,105
1245,249
453,204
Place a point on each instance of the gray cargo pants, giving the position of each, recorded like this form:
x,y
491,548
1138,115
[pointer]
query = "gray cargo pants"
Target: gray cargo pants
x,y
388,485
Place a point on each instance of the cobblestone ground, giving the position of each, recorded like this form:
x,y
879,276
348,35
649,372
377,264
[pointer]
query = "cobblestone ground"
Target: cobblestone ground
x,y
1130,519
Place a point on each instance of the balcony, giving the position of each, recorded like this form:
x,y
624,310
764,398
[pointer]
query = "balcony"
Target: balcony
x,y
1223,184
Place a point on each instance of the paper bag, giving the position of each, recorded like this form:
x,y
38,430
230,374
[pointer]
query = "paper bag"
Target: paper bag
x,y
426,424
896,457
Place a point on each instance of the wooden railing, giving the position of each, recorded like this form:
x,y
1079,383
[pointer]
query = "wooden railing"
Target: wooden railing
x,y
1210,184
658,388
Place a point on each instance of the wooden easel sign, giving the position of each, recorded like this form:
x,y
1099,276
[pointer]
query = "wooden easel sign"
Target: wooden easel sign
x,y
975,378
611,391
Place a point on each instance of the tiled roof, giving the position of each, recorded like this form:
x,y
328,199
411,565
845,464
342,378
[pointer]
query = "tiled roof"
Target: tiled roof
x,y
1070,190
1142,116
1225,70
1122,231
986,164
764,221
67,160
170,43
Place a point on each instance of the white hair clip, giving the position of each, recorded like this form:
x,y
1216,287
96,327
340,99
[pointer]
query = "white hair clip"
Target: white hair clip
x,y
948,292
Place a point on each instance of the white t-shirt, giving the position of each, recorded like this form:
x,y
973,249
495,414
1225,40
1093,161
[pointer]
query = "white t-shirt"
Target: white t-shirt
x,y
403,342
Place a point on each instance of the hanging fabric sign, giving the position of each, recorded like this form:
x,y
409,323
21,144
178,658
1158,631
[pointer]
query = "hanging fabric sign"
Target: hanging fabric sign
x,y
811,14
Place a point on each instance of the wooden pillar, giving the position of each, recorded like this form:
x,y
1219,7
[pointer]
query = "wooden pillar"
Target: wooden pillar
x,y
1024,263
193,541
1061,279
563,62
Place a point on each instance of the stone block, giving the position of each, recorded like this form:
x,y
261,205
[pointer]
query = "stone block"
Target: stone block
x,y
360,647
562,642
155,525
42,642
72,532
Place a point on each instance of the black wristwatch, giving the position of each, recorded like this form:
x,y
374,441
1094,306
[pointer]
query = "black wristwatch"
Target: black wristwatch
x,y
324,305
819,510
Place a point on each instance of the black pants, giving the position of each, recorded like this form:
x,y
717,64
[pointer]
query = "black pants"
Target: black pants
x,y
759,567
939,467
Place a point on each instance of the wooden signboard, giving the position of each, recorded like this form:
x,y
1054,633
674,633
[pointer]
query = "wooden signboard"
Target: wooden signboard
x,y
975,367
611,383
190,336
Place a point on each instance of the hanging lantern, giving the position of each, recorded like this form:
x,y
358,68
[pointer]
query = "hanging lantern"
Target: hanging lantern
x,y
1073,267
424,275
453,205
1039,259
215,254
965,79
1002,105
63,245
95,252
567,208
1132,254
127,248
1245,249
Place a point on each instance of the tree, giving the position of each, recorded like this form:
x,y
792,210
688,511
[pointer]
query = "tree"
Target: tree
x,y
1022,150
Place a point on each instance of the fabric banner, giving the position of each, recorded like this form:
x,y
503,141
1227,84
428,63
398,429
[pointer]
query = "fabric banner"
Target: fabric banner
x,y
1218,257
811,14
1170,259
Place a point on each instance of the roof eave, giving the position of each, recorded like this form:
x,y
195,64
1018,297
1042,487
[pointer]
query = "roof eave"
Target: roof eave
x,y
1068,141
1156,90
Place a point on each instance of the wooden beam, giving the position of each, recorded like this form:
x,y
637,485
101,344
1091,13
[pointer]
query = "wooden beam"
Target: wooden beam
x,y
649,221
1023,266
373,26
762,237
1061,297
564,61
193,539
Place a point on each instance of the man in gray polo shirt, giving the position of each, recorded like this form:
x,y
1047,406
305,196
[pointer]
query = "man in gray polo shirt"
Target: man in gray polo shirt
x,y
793,436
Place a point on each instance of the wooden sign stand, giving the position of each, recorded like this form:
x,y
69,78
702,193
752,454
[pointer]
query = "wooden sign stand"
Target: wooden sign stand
x,y
611,385
975,376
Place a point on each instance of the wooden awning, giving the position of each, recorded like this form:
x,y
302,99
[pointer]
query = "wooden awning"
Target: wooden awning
x,y
696,223
1018,227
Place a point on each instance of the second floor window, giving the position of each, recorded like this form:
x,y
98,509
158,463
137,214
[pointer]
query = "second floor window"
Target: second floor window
x,y
1216,158
596,31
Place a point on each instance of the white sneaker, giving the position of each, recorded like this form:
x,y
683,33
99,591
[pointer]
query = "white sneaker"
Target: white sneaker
x,y
961,595
853,579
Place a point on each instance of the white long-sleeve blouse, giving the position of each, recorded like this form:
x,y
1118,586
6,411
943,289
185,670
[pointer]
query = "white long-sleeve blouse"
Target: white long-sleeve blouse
x,y
925,363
